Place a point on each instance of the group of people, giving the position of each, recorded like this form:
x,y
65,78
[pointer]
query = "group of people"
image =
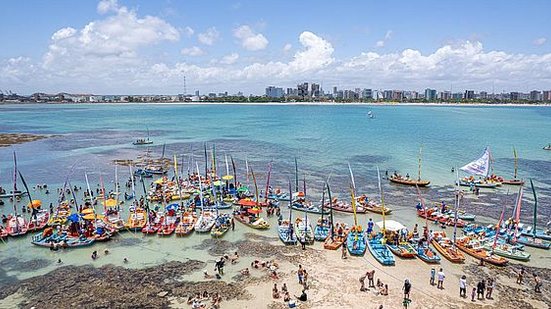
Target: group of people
x,y
537,280
199,300
378,289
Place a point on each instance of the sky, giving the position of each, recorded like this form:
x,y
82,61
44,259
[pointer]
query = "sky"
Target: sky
x,y
148,47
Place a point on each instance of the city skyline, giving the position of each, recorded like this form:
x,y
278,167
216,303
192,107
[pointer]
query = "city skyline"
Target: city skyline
x,y
136,47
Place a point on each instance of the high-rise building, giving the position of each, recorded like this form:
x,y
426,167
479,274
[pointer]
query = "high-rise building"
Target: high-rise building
x,y
302,90
335,90
546,96
445,95
483,95
469,95
367,94
315,91
430,94
196,93
387,94
535,95
514,96
274,92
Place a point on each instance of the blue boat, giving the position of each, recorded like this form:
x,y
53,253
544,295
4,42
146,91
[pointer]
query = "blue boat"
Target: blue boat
x,y
380,251
286,233
321,232
355,242
545,235
143,173
427,254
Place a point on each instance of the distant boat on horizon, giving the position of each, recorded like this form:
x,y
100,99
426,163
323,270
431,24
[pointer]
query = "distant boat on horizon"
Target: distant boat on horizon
x,y
370,114
143,141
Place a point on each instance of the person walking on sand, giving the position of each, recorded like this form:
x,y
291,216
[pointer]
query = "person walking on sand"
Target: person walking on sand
x,y
343,252
432,276
406,288
300,274
490,288
441,277
537,280
479,290
362,282
520,275
473,294
370,278
463,286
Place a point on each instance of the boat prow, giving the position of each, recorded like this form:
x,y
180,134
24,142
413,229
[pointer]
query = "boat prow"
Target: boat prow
x,y
409,181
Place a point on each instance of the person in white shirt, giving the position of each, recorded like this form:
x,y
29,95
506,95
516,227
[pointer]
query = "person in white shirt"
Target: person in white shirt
x,y
441,277
463,286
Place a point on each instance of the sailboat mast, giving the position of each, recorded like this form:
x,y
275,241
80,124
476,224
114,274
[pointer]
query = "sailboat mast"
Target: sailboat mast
x,y
290,206
456,206
498,226
382,199
419,168
178,180
535,207
268,182
322,203
517,211
90,197
516,162
296,175
200,186
331,210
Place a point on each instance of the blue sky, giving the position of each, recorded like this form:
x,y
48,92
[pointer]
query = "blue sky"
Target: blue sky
x,y
148,46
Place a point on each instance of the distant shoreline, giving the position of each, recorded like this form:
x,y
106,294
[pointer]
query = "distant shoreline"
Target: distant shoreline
x,y
294,103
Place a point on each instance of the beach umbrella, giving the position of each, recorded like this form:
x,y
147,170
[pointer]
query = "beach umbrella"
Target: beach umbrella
x,y
227,177
173,206
110,203
158,181
243,189
246,202
217,183
35,204
391,225
73,218
92,216
254,210
87,211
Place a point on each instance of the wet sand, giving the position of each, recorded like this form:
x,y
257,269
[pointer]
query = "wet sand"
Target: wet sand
x,y
333,282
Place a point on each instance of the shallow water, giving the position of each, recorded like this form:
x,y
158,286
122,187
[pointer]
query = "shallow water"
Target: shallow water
x,y
323,138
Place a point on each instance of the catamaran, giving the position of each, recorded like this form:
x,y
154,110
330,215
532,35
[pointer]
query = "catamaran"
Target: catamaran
x,y
480,167
285,229
356,238
515,181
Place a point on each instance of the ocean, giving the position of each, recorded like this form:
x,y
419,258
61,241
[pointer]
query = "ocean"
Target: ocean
x,y
323,138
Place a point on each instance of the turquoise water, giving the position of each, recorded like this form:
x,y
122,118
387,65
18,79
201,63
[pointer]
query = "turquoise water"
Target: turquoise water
x,y
323,139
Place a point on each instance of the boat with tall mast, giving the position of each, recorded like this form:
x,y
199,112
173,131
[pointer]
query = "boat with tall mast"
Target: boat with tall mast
x,y
16,224
143,141
337,234
377,244
531,236
397,178
515,181
285,229
356,238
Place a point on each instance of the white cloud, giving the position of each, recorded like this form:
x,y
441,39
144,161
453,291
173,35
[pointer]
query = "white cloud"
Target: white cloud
x,y
249,39
117,36
63,33
192,51
287,47
540,41
208,37
188,31
105,6
388,36
230,59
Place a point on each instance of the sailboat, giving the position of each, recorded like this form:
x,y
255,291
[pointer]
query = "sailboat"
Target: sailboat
x,y
548,147
504,249
531,236
338,234
143,141
377,244
303,227
299,201
321,231
397,178
422,247
17,224
480,167
250,215
285,229
515,181
206,220
356,238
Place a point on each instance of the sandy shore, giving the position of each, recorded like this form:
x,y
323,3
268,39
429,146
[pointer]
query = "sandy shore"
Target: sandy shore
x,y
8,139
333,282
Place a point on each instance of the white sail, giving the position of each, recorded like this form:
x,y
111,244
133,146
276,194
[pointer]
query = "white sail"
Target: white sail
x,y
481,166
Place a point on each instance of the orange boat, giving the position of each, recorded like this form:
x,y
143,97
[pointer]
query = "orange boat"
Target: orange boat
x,y
408,181
445,246
473,248
369,205
333,243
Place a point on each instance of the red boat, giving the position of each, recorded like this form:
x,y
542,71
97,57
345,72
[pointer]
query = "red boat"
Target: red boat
x,y
17,226
247,202
169,225
435,216
343,207
153,227
3,232
40,222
